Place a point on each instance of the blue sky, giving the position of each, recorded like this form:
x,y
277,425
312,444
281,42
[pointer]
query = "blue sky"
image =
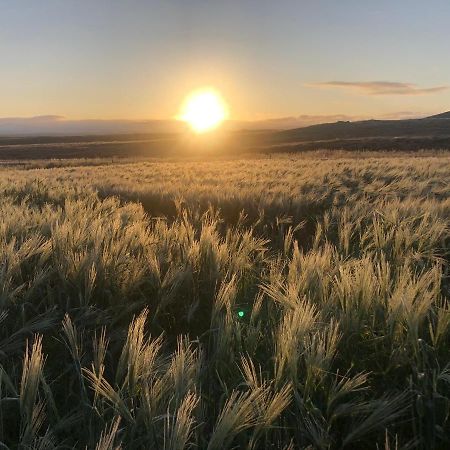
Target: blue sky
x,y
139,59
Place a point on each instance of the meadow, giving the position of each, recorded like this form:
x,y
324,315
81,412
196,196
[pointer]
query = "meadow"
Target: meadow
x,y
267,302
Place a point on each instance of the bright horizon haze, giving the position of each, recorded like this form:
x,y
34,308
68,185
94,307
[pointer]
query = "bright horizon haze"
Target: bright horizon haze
x,y
138,60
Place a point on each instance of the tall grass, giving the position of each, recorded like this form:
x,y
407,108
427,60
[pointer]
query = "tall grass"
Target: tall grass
x,y
304,303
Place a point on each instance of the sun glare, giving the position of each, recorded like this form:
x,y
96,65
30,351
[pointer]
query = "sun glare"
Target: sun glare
x,y
204,110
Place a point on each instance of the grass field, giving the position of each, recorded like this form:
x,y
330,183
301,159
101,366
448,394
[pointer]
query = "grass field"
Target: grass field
x,y
276,302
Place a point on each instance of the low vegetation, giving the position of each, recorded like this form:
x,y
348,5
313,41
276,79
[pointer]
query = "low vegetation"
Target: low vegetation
x,y
285,302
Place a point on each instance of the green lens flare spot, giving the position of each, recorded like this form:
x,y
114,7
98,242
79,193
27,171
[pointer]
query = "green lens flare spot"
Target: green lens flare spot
x,y
241,313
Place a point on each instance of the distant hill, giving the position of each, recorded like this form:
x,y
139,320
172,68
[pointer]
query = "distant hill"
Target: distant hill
x,y
444,115
408,134
428,128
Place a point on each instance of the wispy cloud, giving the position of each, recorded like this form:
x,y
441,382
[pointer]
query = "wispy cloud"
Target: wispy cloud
x,y
404,115
54,125
380,87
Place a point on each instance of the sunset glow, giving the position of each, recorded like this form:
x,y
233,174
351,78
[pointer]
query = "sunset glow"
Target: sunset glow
x,y
204,110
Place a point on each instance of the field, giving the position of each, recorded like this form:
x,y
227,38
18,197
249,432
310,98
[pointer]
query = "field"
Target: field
x,y
411,135
268,302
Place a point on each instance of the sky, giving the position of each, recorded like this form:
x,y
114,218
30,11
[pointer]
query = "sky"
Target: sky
x,y
138,59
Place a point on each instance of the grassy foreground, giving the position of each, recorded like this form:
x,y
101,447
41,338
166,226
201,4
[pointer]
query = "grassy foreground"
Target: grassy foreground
x,y
286,302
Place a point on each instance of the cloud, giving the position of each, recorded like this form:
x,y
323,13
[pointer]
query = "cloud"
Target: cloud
x,y
59,125
380,87
404,115
33,119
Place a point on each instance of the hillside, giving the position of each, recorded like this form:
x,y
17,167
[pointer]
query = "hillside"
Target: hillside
x,y
404,135
445,115
370,129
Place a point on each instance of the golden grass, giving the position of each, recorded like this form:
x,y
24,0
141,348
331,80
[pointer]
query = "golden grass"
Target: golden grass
x,y
284,302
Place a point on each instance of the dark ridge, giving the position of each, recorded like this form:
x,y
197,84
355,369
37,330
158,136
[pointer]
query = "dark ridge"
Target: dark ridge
x,y
428,127
444,115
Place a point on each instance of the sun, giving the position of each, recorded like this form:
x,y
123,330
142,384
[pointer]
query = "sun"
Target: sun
x,y
204,110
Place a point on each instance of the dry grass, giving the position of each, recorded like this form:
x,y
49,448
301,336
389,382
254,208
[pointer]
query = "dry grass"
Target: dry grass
x,y
286,302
